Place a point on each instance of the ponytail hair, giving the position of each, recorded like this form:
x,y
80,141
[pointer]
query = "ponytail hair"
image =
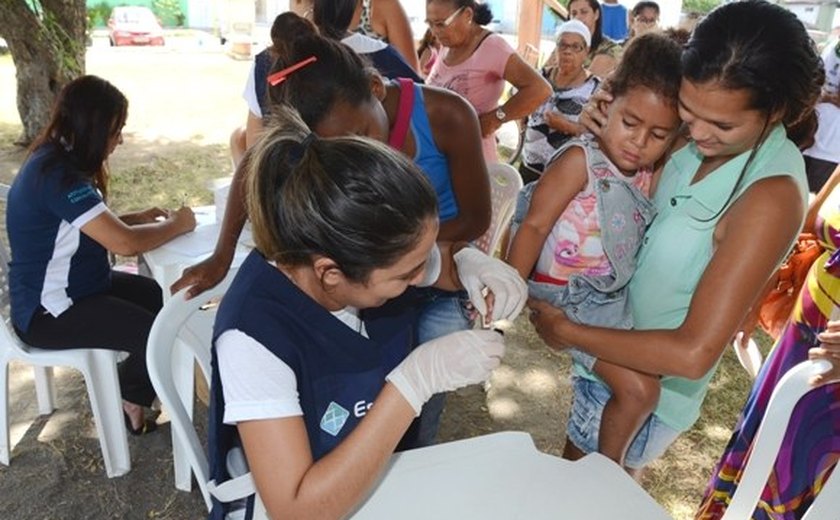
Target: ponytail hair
x,y
482,14
333,17
337,75
350,199
287,27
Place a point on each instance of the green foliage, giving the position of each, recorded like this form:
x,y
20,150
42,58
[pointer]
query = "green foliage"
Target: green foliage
x,y
169,11
65,48
98,14
700,6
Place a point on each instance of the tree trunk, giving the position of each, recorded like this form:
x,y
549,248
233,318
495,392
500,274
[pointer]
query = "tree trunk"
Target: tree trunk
x,y
46,39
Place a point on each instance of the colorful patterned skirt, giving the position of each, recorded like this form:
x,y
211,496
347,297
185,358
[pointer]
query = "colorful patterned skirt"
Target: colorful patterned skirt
x,y
811,446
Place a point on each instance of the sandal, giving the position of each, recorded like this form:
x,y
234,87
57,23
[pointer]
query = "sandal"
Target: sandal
x,y
148,426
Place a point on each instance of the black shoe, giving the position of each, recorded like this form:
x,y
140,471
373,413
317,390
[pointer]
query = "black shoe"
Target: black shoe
x,y
148,426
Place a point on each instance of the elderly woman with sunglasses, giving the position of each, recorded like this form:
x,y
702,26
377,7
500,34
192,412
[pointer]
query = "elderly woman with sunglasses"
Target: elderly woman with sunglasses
x,y
556,120
604,53
475,63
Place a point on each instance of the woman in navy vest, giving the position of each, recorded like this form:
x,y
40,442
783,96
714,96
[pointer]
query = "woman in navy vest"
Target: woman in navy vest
x,y
63,291
336,94
316,375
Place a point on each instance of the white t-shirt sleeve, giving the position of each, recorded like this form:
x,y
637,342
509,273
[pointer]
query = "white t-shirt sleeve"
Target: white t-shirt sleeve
x,y
433,267
250,92
256,383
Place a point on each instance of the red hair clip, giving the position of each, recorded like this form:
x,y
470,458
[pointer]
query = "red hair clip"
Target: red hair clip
x,y
281,75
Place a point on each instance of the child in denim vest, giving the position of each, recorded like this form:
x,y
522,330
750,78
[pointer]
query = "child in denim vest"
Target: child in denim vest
x,y
579,227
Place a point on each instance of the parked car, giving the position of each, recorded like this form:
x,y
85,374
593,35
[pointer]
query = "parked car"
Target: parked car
x,y
134,25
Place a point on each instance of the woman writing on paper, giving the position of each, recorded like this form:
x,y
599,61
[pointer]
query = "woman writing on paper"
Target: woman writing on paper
x,y
64,293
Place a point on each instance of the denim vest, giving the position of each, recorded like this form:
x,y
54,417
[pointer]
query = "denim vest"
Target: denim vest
x,y
624,213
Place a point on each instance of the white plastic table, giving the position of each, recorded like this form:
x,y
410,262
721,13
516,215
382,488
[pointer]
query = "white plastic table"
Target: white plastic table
x,y
503,476
167,262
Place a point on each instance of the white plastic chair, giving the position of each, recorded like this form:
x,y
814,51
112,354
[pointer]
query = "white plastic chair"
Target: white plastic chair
x,y
768,440
98,366
505,184
186,324
748,354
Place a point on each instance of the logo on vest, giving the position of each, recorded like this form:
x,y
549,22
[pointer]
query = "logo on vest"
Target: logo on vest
x,y
334,418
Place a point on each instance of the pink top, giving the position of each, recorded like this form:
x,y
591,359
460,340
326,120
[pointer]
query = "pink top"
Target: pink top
x,y
574,244
479,79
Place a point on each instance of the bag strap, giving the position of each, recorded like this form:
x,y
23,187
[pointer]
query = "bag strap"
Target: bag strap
x,y
399,131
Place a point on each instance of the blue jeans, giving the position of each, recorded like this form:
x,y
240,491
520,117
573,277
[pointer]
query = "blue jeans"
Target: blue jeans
x,y
444,313
589,399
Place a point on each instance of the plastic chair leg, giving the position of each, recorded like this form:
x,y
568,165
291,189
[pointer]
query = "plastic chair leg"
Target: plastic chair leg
x,y
183,369
5,443
44,389
106,403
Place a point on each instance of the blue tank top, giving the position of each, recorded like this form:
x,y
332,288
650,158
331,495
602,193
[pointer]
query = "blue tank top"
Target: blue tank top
x,y
430,159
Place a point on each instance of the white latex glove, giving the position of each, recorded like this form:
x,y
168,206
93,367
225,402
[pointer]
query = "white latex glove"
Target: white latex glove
x,y
447,363
478,271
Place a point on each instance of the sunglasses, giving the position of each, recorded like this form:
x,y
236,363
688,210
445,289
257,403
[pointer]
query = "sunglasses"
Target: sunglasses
x,y
439,26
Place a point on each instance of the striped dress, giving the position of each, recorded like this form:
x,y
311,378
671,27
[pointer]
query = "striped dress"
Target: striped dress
x,y
811,447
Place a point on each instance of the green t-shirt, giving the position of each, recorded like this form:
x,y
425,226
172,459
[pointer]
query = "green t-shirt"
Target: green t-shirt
x,y
678,246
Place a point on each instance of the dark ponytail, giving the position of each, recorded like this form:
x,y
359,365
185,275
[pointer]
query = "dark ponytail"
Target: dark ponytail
x,y
482,15
337,75
286,29
350,199
333,17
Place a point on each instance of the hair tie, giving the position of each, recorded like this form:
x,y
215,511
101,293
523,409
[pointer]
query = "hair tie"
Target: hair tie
x,y
299,149
281,75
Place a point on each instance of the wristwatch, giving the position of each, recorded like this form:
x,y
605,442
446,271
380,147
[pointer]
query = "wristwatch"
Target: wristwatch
x,y
500,115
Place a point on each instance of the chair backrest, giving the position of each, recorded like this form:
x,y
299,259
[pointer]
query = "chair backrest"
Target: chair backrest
x,y
790,388
505,184
531,55
9,338
169,325
4,253
827,503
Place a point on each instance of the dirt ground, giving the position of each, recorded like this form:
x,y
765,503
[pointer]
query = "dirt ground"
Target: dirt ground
x,y
184,103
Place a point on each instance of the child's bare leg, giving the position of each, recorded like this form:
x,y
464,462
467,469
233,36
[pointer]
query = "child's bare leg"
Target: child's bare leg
x,y
634,396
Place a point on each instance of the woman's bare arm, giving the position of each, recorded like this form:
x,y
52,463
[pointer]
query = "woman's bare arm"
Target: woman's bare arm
x,y
754,236
456,134
294,486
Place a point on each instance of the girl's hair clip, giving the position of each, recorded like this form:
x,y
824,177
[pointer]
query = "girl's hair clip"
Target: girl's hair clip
x,y
281,75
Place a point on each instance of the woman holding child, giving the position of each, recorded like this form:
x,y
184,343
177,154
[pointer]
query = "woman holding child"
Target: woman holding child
x,y
730,203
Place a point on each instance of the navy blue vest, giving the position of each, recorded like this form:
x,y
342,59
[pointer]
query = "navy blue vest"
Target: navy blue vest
x,y
263,62
339,372
391,64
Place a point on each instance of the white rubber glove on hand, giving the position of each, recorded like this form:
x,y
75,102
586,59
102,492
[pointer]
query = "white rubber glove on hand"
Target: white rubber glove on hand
x,y
477,271
447,363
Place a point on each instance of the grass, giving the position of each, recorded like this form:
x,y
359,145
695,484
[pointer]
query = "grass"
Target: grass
x,y
183,107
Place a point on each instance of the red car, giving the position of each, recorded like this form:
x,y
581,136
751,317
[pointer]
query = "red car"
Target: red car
x,y
134,25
